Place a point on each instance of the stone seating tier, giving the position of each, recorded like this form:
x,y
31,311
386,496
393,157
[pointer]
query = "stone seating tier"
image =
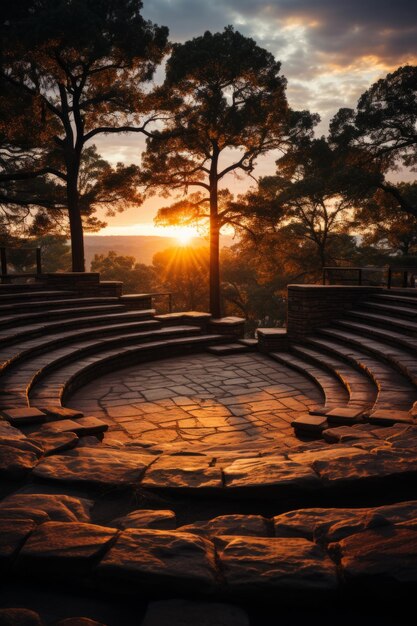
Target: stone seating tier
x,y
74,507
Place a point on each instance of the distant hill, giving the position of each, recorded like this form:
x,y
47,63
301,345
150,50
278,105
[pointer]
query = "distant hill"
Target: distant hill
x,y
141,247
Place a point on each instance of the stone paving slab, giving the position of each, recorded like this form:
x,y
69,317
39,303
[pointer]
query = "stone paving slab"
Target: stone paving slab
x,y
200,400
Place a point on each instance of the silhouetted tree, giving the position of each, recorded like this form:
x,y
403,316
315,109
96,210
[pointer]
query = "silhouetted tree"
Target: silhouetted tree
x,y
228,106
305,199
85,66
385,226
381,133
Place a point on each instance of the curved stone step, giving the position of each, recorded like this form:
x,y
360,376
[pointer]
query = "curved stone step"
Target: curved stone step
x,y
56,387
361,390
11,321
54,303
385,321
11,355
391,298
387,336
395,392
400,359
400,311
20,379
42,329
21,293
334,392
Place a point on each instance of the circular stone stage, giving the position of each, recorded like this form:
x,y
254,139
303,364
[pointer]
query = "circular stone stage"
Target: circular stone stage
x,y
201,402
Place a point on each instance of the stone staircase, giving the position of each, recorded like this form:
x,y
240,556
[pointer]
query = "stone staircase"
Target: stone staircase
x,y
83,516
365,362
54,341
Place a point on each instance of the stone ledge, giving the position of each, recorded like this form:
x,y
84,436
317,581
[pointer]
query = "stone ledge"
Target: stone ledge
x,y
272,339
301,559
359,455
234,326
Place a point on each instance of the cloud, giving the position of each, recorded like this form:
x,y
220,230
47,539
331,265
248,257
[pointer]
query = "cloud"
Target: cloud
x,y
336,32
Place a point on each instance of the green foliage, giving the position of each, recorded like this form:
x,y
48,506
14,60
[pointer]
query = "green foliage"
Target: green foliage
x,y
136,277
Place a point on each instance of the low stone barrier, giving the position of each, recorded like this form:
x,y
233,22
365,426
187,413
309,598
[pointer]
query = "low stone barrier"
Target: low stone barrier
x,y
313,306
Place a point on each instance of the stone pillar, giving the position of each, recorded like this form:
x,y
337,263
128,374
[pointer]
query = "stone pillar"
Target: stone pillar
x,y
272,339
313,306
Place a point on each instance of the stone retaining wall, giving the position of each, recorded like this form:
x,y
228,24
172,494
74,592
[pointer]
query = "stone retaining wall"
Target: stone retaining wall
x,y
313,306
84,283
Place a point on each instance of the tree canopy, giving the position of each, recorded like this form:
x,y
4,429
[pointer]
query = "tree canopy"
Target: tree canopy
x,y
85,68
227,105
381,133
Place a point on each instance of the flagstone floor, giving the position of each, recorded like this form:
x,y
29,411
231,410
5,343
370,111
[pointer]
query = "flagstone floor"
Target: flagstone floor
x,y
201,400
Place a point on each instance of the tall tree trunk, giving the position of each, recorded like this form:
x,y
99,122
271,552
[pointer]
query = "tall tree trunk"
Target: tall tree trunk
x,y
215,305
76,226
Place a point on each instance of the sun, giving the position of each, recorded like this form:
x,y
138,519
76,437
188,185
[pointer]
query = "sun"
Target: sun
x,y
185,235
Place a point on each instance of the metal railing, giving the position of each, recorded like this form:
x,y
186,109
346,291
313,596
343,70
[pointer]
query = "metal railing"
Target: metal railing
x,y
361,275
409,276
156,294
358,274
6,276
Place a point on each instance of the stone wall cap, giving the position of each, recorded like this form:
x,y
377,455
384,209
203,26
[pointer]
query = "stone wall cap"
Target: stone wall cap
x,y
228,320
111,282
131,296
337,287
179,314
279,332
77,274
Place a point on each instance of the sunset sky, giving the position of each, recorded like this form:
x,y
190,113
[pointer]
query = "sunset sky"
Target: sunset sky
x,y
330,53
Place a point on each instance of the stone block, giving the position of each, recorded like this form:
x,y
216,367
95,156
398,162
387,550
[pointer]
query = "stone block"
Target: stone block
x,y
310,425
390,417
64,551
99,467
234,326
13,533
57,507
54,442
258,566
234,524
25,415
88,425
270,472
311,523
144,518
358,467
182,472
344,415
382,556
272,339
62,412
16,464
169,561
